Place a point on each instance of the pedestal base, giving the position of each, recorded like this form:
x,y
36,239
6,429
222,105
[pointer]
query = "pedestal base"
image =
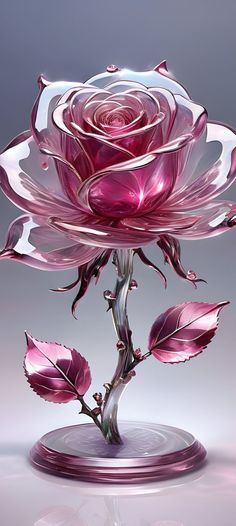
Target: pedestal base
x,y
149,452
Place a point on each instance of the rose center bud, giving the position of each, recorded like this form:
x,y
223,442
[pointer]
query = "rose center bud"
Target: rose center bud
x,y
114,120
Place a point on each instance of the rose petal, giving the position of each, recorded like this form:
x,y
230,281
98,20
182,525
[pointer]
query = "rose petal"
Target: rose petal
x,y
104,236
41,118
190,118
122,193
50,138
172,222
211,220
167,105
152,78
189,123
137,141
33,242
22,169
214,219
210,168
100,151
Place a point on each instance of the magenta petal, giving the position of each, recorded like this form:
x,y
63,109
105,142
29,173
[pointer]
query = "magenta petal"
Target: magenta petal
x,y
210,168
49,137
190,118
54,372
167,104
162,222
149,78
98,150
214,219
183,331
30,240
30,180
46,102
188,123
104,236
120,192
211,220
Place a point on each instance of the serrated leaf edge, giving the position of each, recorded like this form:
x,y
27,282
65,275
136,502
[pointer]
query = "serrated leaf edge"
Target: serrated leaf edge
x,y
220,305
49,343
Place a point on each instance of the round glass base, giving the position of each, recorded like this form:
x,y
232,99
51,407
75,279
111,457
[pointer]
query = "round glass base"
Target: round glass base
x,y
149,452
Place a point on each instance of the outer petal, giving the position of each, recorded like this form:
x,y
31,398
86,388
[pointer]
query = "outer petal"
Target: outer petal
x,y
213,219
47,136
32,241
185,121
23,168
210,169
104,236
167,105
152,78
172,222
49,95
216,218
122,192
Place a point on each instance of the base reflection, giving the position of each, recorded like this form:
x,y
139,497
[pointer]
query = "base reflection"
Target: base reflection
x,y
205,497
65,516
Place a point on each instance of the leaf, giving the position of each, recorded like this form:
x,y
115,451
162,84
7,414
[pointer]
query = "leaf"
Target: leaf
x,y
183,331
54,372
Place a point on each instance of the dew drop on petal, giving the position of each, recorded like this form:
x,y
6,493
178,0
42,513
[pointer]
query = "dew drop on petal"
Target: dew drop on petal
x,y
191,275
112,68
44,165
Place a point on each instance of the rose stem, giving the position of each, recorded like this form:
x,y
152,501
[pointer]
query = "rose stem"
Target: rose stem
x,y
86,410
123,259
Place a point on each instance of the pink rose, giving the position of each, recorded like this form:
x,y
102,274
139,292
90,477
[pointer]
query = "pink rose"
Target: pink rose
x,y
121,161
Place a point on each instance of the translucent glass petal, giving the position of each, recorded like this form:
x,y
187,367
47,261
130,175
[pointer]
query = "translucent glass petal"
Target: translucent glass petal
x,y
32,241
46,102
211,220
30,180
209,170
104,236
149,78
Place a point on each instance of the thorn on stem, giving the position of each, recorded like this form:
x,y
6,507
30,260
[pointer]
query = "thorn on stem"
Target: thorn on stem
x,y
120,346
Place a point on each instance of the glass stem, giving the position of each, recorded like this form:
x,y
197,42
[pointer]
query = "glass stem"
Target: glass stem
x,y
123,259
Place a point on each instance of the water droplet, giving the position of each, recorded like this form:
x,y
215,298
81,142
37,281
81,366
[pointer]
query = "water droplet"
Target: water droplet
x,y
44,165
112,68
133,284
191,275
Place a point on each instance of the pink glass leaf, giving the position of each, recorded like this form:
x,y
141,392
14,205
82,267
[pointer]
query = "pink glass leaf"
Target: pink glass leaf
x,y
54,372
183,331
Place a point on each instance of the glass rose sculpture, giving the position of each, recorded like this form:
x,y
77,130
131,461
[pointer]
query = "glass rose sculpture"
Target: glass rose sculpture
x,y
109,166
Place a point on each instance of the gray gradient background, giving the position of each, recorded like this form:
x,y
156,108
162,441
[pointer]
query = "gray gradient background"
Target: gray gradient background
x,y
73,40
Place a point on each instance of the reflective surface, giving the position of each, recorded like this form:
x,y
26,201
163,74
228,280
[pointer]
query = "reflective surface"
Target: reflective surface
x,y
205,497
149,452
